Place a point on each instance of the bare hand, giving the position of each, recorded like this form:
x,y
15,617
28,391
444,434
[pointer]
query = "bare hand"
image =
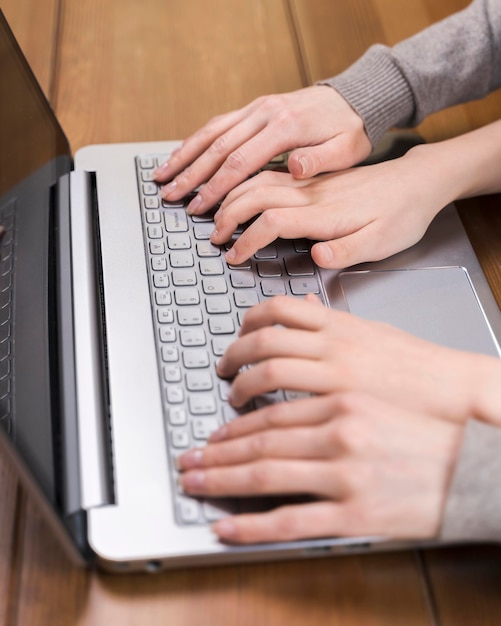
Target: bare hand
x,y
362,214
317,123
302,345
374,469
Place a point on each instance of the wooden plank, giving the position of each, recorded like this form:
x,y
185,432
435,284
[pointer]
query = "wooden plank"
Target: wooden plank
x,y
129,74
372,590
466,582
33,24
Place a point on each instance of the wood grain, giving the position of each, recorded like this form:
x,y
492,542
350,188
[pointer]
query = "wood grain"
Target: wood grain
x,y
155,70
369,590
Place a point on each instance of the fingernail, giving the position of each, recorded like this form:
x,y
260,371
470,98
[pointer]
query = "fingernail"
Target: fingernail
x,y
225,528
193,481
230,255
169,188
192,458
326,252
161,170
214,235
304,165
194,204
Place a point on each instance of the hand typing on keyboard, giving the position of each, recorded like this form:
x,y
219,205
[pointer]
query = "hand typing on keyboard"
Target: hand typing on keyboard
x,y
328,133
375,446
350,214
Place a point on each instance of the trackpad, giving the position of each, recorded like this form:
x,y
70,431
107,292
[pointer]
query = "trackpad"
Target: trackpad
x,y
437,304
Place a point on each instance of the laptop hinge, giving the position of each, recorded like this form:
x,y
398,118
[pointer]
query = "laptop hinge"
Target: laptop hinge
x,y
85,429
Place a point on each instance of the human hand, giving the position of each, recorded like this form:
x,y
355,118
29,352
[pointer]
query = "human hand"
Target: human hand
x,y
302,345
374,469
361,214
316,122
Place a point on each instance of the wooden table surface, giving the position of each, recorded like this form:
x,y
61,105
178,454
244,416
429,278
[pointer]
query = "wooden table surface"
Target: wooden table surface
x,y
123,70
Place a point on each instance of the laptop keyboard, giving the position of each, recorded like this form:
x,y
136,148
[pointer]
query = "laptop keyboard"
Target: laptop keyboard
x,y
198,303
7,220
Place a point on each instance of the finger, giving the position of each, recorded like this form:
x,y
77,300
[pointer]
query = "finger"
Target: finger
x,y
270,341
311,411
369,243
329,156
245,159
268,178
226,146
286,523
287,222
288,312
263,477
281,373
197,143
298,443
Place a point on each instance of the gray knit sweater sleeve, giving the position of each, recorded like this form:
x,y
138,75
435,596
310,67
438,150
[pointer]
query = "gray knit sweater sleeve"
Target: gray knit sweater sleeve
x,y
455,60
473,507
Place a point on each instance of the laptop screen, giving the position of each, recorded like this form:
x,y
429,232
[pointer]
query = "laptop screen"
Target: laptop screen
x,y
34,153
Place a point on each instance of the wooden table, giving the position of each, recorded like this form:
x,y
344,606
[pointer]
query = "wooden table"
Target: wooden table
x,y
123,70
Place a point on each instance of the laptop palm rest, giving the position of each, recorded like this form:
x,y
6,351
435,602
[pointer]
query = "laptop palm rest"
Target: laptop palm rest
x,y
436,304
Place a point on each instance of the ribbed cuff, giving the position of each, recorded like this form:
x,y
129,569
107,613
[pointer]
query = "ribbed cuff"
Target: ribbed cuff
x,y
377,90
473,508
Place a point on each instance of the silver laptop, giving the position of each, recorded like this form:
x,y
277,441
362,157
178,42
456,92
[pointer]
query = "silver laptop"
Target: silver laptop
x,y
114,307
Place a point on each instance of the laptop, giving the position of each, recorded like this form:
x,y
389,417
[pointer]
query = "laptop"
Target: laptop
x,y
114,307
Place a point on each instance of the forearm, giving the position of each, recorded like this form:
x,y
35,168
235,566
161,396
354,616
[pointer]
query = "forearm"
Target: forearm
x,y
464,166
453,61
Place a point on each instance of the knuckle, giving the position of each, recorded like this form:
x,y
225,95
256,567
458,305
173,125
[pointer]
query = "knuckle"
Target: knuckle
x,y
236,161
286,524
260,476
272,103
259,445
219,146
271,219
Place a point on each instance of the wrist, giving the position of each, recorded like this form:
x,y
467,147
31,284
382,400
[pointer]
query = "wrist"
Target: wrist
x,y
486,405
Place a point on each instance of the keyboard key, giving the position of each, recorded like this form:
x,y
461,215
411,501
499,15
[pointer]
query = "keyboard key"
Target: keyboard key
x,y
203,427
174,394
180,438
167,334
191,337
199,380
179,241
175,221
215,284
190,316
172,374
300,265
221,325
184,278
186,297
196,358
211,267
242,279
302,286
202,403
216,305
181,259
207,249
273,288
245,298
177,416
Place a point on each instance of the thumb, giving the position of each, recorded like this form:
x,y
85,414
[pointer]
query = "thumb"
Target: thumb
x,y
329,156
340,253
